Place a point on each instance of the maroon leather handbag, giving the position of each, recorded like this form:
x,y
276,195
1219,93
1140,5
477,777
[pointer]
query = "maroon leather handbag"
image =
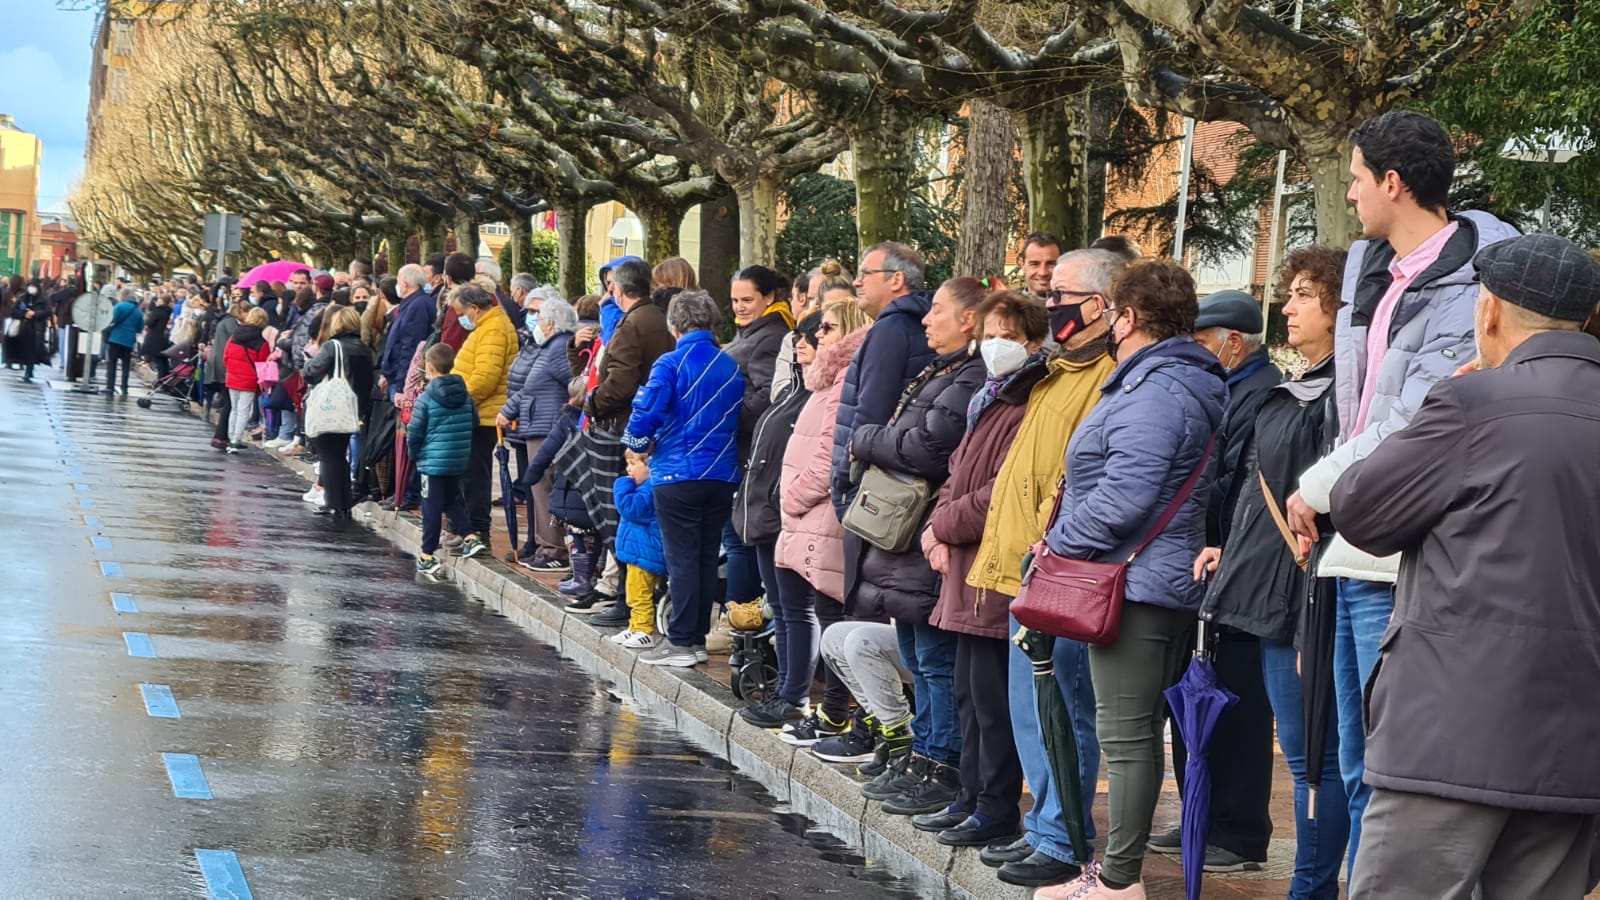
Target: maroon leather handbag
x,y
1081,599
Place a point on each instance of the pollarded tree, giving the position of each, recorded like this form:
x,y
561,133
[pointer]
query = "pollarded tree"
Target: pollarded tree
x,y
1302,89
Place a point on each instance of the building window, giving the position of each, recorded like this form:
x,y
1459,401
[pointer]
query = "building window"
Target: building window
x,y
119,84
495,228
122,38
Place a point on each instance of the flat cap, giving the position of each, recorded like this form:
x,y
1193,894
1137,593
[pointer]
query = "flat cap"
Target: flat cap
x,y
1543,274
1233,310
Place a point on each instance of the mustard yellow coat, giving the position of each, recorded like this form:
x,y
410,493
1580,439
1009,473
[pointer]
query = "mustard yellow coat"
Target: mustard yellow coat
x,y
1025,489
484,362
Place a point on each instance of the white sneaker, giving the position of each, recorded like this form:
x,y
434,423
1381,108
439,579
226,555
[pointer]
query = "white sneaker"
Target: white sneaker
x,y
619,636
314,496
637,640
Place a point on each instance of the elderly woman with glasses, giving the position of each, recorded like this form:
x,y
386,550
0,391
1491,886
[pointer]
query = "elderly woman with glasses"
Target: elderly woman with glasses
x,y
1126,464
686,417
535,395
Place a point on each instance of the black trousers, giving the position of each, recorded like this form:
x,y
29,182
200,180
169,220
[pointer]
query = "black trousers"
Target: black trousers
x,y
162,364
116,353
223,404
991,772
836,696
1241,751
333,455
441,500
476,487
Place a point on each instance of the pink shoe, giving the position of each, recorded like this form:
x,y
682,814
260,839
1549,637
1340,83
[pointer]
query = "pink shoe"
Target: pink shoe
x,y
1088,887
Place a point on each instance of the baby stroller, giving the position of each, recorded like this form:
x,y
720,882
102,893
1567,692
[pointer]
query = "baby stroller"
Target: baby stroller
x,y
753,664
176,385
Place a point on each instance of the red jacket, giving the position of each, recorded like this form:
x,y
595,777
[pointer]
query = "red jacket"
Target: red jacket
x,y
240,365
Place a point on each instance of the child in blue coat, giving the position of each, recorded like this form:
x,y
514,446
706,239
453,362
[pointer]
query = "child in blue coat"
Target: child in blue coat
x,y
639,548
439,439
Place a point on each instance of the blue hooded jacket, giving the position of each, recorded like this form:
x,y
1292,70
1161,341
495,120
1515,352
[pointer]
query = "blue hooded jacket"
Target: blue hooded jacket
x,y
690,409
639,534
1131,456
439,437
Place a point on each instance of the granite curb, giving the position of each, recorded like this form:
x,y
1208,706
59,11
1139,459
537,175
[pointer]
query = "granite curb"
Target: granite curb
x,y
705,712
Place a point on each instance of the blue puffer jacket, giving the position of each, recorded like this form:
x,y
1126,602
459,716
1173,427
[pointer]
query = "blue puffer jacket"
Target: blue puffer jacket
x,y
639,535
536,388
896,350
689,409
439,437
566,501
1128,460
126,323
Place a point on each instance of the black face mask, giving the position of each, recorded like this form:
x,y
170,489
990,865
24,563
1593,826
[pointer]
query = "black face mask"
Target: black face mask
x,y
1111,338
1066,320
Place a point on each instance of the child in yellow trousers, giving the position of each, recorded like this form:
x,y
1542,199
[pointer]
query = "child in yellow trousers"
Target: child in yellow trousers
x,y
639,548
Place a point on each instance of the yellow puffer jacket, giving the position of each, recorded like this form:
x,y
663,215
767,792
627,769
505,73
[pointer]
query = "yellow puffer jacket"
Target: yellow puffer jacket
x,y
484,362
1025,489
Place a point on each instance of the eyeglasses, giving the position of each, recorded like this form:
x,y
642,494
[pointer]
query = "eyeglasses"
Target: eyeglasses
x,y
865,272
1054,298
1111,314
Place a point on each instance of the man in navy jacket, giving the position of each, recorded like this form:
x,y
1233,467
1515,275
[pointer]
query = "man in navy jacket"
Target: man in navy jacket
x,y
889,289
413,321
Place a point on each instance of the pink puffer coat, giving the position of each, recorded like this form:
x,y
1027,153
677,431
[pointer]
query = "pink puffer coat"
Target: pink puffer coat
x,y
812,540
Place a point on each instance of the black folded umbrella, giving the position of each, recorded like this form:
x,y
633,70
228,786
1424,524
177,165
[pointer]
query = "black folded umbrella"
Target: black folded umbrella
x,y
507,496
1317,617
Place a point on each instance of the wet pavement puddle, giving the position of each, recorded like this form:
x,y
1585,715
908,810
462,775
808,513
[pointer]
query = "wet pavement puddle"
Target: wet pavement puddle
x,y
214,693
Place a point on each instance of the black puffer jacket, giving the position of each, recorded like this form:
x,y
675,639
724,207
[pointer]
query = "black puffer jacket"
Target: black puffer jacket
x,y
756,514
1257,588
918,441
756,351
1248,385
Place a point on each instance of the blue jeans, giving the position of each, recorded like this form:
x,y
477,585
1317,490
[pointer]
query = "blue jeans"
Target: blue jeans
x,y
1364,609
744,575
287,423
1045,823
1319,842
929,654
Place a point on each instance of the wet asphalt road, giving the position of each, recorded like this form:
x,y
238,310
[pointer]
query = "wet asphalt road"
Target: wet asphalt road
x,y
339,730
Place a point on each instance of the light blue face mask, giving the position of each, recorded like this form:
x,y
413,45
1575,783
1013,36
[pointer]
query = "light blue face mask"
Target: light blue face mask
x,y
428,288
466,323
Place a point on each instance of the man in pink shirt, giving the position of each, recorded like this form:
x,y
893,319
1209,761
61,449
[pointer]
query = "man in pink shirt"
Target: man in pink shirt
x,y
1409,293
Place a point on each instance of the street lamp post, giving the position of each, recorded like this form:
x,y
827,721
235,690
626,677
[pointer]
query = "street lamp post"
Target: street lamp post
x,y
1552,148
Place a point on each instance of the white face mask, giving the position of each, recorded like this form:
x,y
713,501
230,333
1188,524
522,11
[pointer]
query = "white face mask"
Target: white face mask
x,y
537,331
1003,357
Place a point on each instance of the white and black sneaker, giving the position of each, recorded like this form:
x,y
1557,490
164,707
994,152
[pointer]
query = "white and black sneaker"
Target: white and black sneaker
x,y
812,729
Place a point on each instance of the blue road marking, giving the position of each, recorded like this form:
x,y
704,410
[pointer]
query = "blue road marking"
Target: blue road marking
x,y
159,702
139,644
86,503
111,569
224,878
81,488
100,543
188,780
92,521
123,602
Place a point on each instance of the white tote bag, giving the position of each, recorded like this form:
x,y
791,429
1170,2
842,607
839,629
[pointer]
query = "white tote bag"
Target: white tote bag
x,y
331,406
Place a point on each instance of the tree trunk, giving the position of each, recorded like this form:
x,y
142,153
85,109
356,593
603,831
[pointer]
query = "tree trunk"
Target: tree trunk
x,y
465,231
395,243
521,246
1337,224
882,147
572,260
758,220
1055,155
661,224
986,183
432,238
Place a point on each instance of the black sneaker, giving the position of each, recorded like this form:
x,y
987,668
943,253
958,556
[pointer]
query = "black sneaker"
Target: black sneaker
x,y
902,775
935,793
771,713
1169,842
590,604
813,728
614,617
854,746
1219,860
541,563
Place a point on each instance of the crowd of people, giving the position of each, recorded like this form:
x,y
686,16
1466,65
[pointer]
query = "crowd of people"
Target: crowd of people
x,y
882,460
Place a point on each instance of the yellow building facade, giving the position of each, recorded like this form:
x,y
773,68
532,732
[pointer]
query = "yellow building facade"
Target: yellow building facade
x,y
20,153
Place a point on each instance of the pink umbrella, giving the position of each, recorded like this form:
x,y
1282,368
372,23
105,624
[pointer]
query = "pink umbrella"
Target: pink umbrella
x,y
278,270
